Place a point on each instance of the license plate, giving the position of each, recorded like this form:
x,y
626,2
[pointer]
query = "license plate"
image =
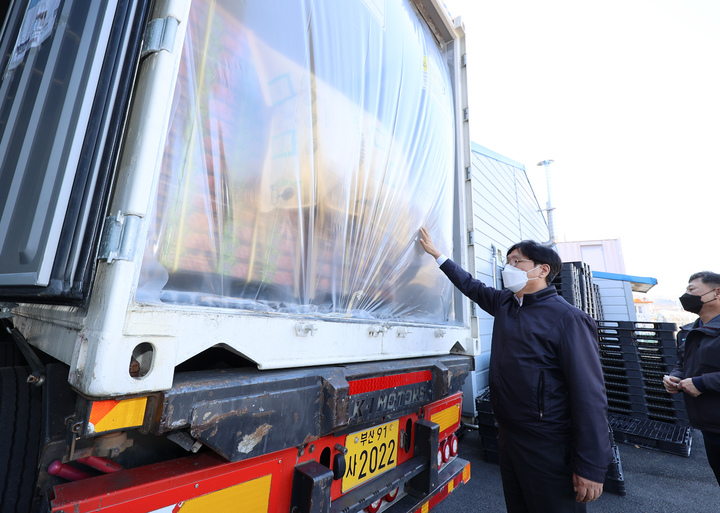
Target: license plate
x,y
370,453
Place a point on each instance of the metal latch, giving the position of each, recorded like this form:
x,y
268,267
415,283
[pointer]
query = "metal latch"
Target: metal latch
x,y
303,329
159,35
119,238
376,330
6,310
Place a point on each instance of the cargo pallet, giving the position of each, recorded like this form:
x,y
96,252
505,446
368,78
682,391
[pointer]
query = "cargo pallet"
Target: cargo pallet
x,y
652,434
575,284
634,358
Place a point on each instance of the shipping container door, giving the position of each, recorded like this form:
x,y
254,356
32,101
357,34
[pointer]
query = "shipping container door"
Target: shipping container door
x,y
66,68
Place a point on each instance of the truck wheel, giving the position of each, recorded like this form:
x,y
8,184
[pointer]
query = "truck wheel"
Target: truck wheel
x,y
20,425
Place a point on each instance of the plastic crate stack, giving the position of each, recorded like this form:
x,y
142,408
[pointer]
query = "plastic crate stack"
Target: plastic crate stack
x,y
614,481
635,356
567,284
487,427
650,434
575,285
588,292
598,303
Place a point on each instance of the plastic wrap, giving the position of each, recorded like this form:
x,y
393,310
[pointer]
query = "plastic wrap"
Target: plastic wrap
x,y
309,141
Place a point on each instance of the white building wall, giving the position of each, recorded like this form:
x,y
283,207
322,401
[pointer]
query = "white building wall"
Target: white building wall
x,y
601,255
617,299
505,211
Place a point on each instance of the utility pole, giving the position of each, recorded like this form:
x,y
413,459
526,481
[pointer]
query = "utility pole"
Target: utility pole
x,y
549,206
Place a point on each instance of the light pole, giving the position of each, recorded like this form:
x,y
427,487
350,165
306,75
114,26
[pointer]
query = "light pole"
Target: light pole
x,y
549,208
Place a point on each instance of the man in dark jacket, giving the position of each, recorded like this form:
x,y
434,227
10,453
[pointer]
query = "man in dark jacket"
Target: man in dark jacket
x,y
697,373
546,384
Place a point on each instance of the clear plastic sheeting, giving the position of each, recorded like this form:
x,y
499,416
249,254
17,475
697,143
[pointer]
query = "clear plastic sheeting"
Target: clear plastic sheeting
x,y
309,141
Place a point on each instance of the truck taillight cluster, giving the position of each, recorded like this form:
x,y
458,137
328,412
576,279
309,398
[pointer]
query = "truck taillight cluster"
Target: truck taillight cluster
x,y
447,449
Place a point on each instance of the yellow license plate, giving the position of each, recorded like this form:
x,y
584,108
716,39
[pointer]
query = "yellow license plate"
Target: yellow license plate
x,y
370,453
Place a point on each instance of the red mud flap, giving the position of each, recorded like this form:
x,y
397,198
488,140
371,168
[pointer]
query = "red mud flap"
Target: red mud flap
x,y
454,474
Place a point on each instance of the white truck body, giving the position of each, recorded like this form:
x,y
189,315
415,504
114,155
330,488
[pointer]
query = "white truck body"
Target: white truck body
x,y
118,324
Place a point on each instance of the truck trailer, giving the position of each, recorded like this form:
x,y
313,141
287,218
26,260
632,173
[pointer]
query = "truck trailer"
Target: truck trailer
x,y
212,296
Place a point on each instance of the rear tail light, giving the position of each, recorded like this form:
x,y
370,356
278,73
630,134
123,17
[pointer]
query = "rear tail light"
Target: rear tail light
x,y
446,451
440,452
391,496
453,443
374,507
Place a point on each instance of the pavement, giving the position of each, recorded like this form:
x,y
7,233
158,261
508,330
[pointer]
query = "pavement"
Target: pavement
x,y
655,482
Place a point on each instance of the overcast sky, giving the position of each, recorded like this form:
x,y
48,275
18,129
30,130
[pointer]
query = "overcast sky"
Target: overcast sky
x,y
624,96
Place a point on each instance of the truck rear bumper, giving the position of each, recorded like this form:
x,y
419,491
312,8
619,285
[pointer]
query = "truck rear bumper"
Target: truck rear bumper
x,y
167,486
454,474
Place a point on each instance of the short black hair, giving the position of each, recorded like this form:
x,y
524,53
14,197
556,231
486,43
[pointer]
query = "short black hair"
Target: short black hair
x,y
707,277
540,255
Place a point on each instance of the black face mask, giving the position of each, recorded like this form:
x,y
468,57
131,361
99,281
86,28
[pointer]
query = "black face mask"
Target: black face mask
x,y
694,304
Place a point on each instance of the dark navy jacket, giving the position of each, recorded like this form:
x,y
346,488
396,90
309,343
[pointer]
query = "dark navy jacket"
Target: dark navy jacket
x,y
699,358
545,374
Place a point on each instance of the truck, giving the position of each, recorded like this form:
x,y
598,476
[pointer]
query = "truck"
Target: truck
x,y
212,296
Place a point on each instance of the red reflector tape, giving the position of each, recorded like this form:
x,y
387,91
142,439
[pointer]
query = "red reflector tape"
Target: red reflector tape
x,y
362,386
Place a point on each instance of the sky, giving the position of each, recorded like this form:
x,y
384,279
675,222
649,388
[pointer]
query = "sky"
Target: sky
x,y
624,96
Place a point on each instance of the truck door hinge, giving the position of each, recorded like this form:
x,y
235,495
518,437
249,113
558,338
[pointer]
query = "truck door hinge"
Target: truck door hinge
x,y
159,35
119,238
463,60
471,237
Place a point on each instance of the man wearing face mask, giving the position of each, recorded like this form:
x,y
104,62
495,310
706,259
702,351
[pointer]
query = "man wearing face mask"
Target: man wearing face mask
x,y
697,372
546,383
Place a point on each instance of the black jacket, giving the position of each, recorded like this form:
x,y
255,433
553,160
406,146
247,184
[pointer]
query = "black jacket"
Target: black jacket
x,y
699,358
545,374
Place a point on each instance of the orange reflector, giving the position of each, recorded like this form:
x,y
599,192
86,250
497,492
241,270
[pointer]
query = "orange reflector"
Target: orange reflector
x,y
254,496
447,417
111,415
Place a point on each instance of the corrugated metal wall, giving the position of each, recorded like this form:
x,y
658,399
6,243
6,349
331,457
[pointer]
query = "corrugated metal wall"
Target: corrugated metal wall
x,y
505,211
617,299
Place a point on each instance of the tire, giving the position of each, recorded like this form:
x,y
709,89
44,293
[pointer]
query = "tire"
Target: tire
x,y
20,425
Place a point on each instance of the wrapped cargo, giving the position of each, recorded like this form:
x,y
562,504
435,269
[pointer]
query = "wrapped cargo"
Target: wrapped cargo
x,y
308,142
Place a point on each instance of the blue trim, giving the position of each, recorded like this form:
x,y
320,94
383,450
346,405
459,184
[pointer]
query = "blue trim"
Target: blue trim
x,y
482,150
624,277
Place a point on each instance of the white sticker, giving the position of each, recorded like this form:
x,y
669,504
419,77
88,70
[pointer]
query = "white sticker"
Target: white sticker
x,y
37,26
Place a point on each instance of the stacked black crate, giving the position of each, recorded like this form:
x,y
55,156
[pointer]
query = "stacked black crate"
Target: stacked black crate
x,y
652,434
567,284
575,285
487,427
661,421
655,349
622,372
585,281
598,303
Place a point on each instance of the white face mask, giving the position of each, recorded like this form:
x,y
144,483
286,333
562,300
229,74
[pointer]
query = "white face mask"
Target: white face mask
x,y
515,279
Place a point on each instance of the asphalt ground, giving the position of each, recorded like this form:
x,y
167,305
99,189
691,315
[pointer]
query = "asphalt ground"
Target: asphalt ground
x,y
655,482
